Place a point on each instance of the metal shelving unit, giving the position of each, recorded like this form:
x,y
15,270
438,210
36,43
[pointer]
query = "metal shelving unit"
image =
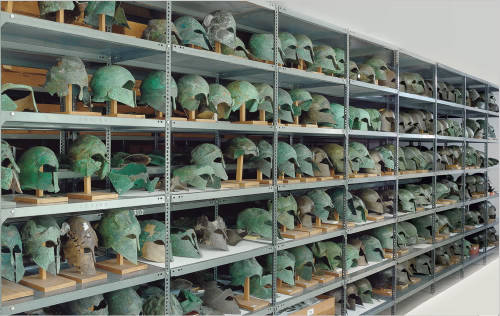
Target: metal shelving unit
x,y
34,42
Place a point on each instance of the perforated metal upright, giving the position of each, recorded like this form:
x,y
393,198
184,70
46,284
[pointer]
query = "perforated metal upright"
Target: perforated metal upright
x,y
434,178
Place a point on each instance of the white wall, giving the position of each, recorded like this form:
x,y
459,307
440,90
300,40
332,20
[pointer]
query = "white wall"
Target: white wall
x,y
462,34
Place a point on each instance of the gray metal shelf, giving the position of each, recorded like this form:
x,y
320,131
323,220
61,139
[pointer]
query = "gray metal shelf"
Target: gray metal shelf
x,y
309,293
369,91
476,140
371,225
380,308
415,98
419,137
413,252
310,185
291,243
442,138
424,283
310,131
218,194
221,127
372,269
371,134
112,283
313,81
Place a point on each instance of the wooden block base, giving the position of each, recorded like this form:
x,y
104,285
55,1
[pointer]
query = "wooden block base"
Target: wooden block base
x,y
387,173
93,196
292,125
415,280
251,122
325,178
408,172
454,259
323,278
292,180
422,171
491,220
229,185
387,255
477,195
469,227
312,231
374,217
75,275
289,289
308,179
51,283
177,118
127,267
351,224
401,287
439,268
82,113
400,252
419,209
382,292
326,228
136,116
309,125
443,201
372,175
294,234
241,184
306,284
252,304
453,167
31,199
358,175
11,290
203,120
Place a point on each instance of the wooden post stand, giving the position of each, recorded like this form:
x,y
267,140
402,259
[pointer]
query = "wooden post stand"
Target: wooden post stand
x,y
323,277
293,234
304,283
218,48
313,231
39,198
12,290
326,228
192,117
389,172
114,112
239,182
248,302
102,22
68,104
120,265
374,217
44,282
76,275
262,180
243,117
287,289
305,179
301,65
87,193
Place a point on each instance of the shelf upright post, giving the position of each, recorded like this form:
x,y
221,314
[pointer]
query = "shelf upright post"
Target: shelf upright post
x,y
167,141
396,186
1,125
276,9
485,165
434,180
216,202
462,229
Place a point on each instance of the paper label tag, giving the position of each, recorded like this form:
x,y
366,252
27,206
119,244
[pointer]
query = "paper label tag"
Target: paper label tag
x,y
310,312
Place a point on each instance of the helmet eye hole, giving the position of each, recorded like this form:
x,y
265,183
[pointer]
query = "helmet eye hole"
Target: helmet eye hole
x,y
131,236
87,250
50,244
218,159
101,305
159,242
5,249
16,249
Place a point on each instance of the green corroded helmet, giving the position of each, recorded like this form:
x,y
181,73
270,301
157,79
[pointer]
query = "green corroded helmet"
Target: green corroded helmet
x,y
364,290
302,100
428,159
192,32
220,300
26,103
248,268
10,173
12,254
189,302
285,266
443,224
241,146
380,67
411,232
289,46
338,114
256,221
422,265
424,226
351,256
285,105
327,254
304,159
367,73
193,92
132,176
305,49
156,32
442,256
266,97
120,230
324,57
387,157
113,83
378,161
153,91
239,49
47,7
304,262
262,47
243,92
337,196
88,156
41,240
336,154
422,197
406,201
30,176
385,236
93,10
219,100
323,204
321,162
454,218
151,240
264,160
261,287
359,211
359,157
196,176
124,302
287,159
93,305
375,120
472,217
354,71
373,249
319,112
68,70
221,27
412,83
340,57
287,210
490,128
359,119
414,158
372,200
184,242
453,186
155,305
210,155
441,190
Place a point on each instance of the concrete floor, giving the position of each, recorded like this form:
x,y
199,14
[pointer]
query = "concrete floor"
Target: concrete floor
x,y
413,301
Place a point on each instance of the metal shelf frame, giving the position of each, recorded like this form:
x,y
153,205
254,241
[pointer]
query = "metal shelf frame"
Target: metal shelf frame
x,y
33,42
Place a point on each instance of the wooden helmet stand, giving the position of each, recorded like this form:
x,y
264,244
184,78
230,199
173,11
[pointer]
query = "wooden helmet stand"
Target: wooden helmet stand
x,y
239,182
305,283
113,109
76,275
12,290
39,198
287,289
293,233
326,228
312,231
68,104
262,180
248,302
88,195
44,282
120,265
